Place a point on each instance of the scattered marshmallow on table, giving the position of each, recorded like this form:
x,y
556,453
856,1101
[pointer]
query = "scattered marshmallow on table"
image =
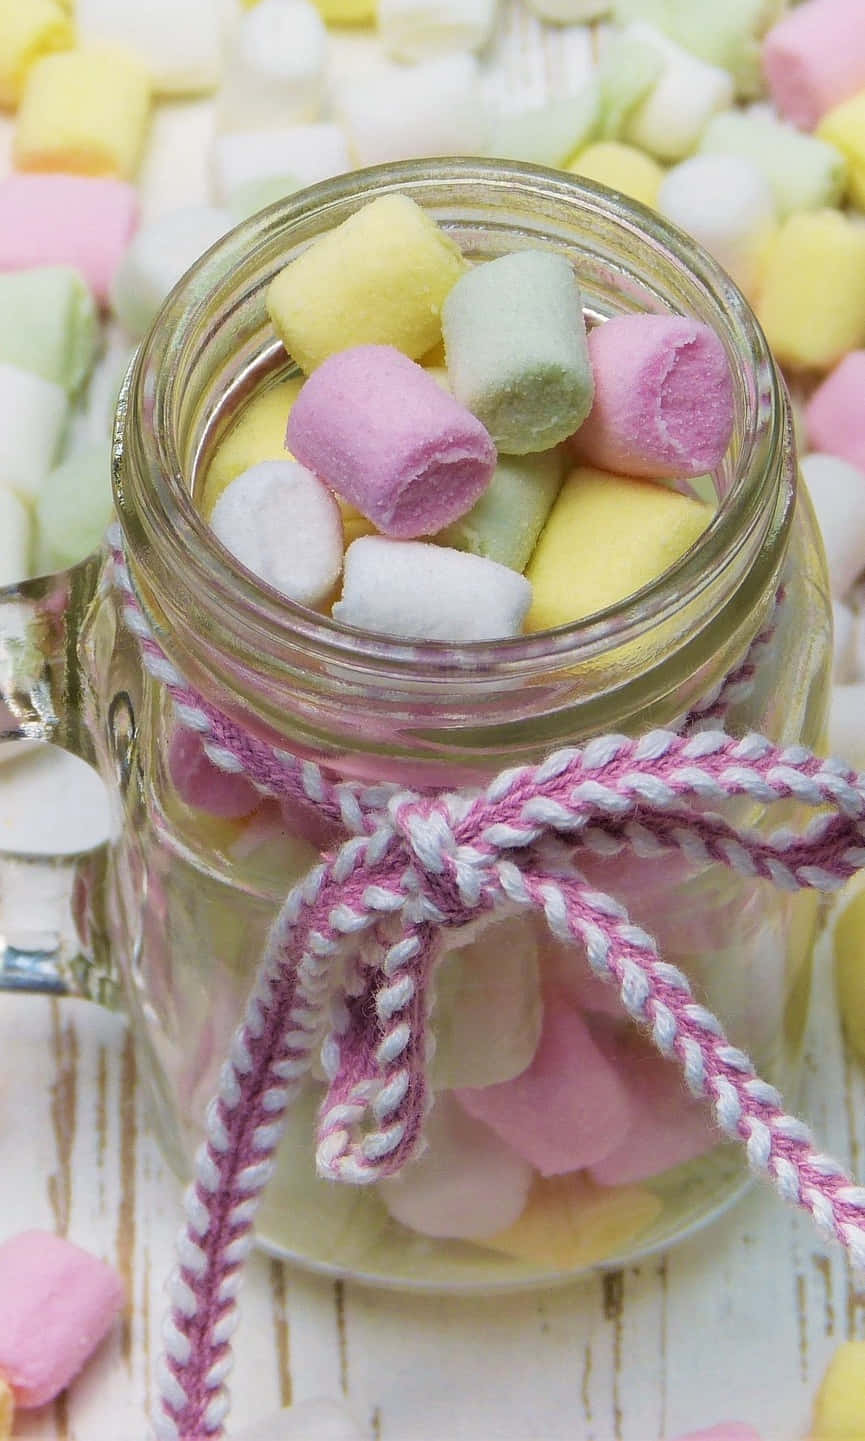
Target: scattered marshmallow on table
x,y
48,324
814,58
178,41
84,111
159,255
621,167
837,491
505,523
849,947
275,67
670,120
33,415
727,34
846,726
73,508
400,112
839,1410
726,203
309,153
14,537
811,302
547,134
517,355
627,73
844,127
416,29
250,196
306,1421
29,29
284,525
805,173
67,220
835,414
570,1222
412,590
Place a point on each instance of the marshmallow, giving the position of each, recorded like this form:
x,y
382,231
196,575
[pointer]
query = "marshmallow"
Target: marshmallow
x,y
29,29
726,203
843,632
379,278
284,525
628,72
569,1223
416,29
726,35
14,538
379,431
814,58
84,111
48,324
607,537
179,42
487,1014
159,255
844,128
57,1303
275,70
621,167
202,784
839,1410
250,196
346,12
310,153
307,1421
547,134
846,728
33,415
837,491
66,220
569,1108
517,356
403,112
257,434
466,1185
426,592
849,943
505,523
835,417
563,12
812,299
805,173
663,401
670,120
74,507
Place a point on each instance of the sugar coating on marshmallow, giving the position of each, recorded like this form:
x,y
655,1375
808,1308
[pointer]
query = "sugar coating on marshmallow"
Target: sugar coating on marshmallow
x,y
403,112
307,1421
569,1222
416,29
416,591
467,1184
33,415
48,324
505,523
607,536
57,1303
839,1410
621,167
849,942
663,401
726,203
29,29
159,255
811,302
814,58
547,134
275,67
311,153
517,356
14,538
179,42
257,434
74,508
835,414
284,525
805,173
201,783
380,278
670,120
837,491
66,220
844,127
84,111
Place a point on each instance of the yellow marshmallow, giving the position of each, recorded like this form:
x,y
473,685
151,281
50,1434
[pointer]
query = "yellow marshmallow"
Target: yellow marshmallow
x,y
621,167
850,971
86,112
29,29
570,1222
844,127
812,298
347,12
380,278
606,537
839,1411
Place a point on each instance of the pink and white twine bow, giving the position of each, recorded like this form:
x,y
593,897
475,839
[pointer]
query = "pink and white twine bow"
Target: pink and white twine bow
x,y
350,957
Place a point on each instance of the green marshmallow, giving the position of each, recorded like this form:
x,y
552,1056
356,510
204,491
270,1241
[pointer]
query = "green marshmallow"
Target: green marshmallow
x,y
505,523
627,73
73,509
254,195
548,134
48,324
805,173
726,34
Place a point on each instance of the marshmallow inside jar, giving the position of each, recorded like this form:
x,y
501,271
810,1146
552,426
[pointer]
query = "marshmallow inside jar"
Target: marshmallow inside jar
x,y
646,576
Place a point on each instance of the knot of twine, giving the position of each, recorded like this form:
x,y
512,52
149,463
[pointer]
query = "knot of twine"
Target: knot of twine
x,y
349,960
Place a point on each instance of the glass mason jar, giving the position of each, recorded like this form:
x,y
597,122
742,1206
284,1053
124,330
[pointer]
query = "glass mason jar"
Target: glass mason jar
x,y
187,896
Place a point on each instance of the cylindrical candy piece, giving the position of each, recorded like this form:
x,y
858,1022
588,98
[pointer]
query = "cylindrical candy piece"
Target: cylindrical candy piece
x,y
835,416
837,491
48,324
673,116
202,784
275,67
812,298
839,1411
57,1303
814,58
849,939
621,167
400,112
547,134
309,152
663,401
73,508
33,414
380,432
844,129
157,258
725,202
85,111
805,173
570,1222
517,357
415,29
29,29
505,523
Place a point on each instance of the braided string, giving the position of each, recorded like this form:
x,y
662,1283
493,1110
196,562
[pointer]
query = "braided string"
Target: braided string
x,y
360,935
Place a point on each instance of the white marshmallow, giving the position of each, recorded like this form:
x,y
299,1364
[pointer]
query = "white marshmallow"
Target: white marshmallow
x,y
309,153
417,29
159,255
468,1184
564,11
283,523
547,134
670,121
726,203
276,65
33,415
180,41
837,490
14,538
413,590
404,112
307,1421
847,724
843,643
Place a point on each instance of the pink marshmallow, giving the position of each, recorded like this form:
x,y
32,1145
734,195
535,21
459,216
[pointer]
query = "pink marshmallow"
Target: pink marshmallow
x,y
814,58
835,415
727,1431
569,1109
57,1304
663,404
390,440
200,783
67,220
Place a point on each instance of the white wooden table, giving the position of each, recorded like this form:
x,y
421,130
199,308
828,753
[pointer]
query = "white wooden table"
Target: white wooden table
x,y
737,1323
